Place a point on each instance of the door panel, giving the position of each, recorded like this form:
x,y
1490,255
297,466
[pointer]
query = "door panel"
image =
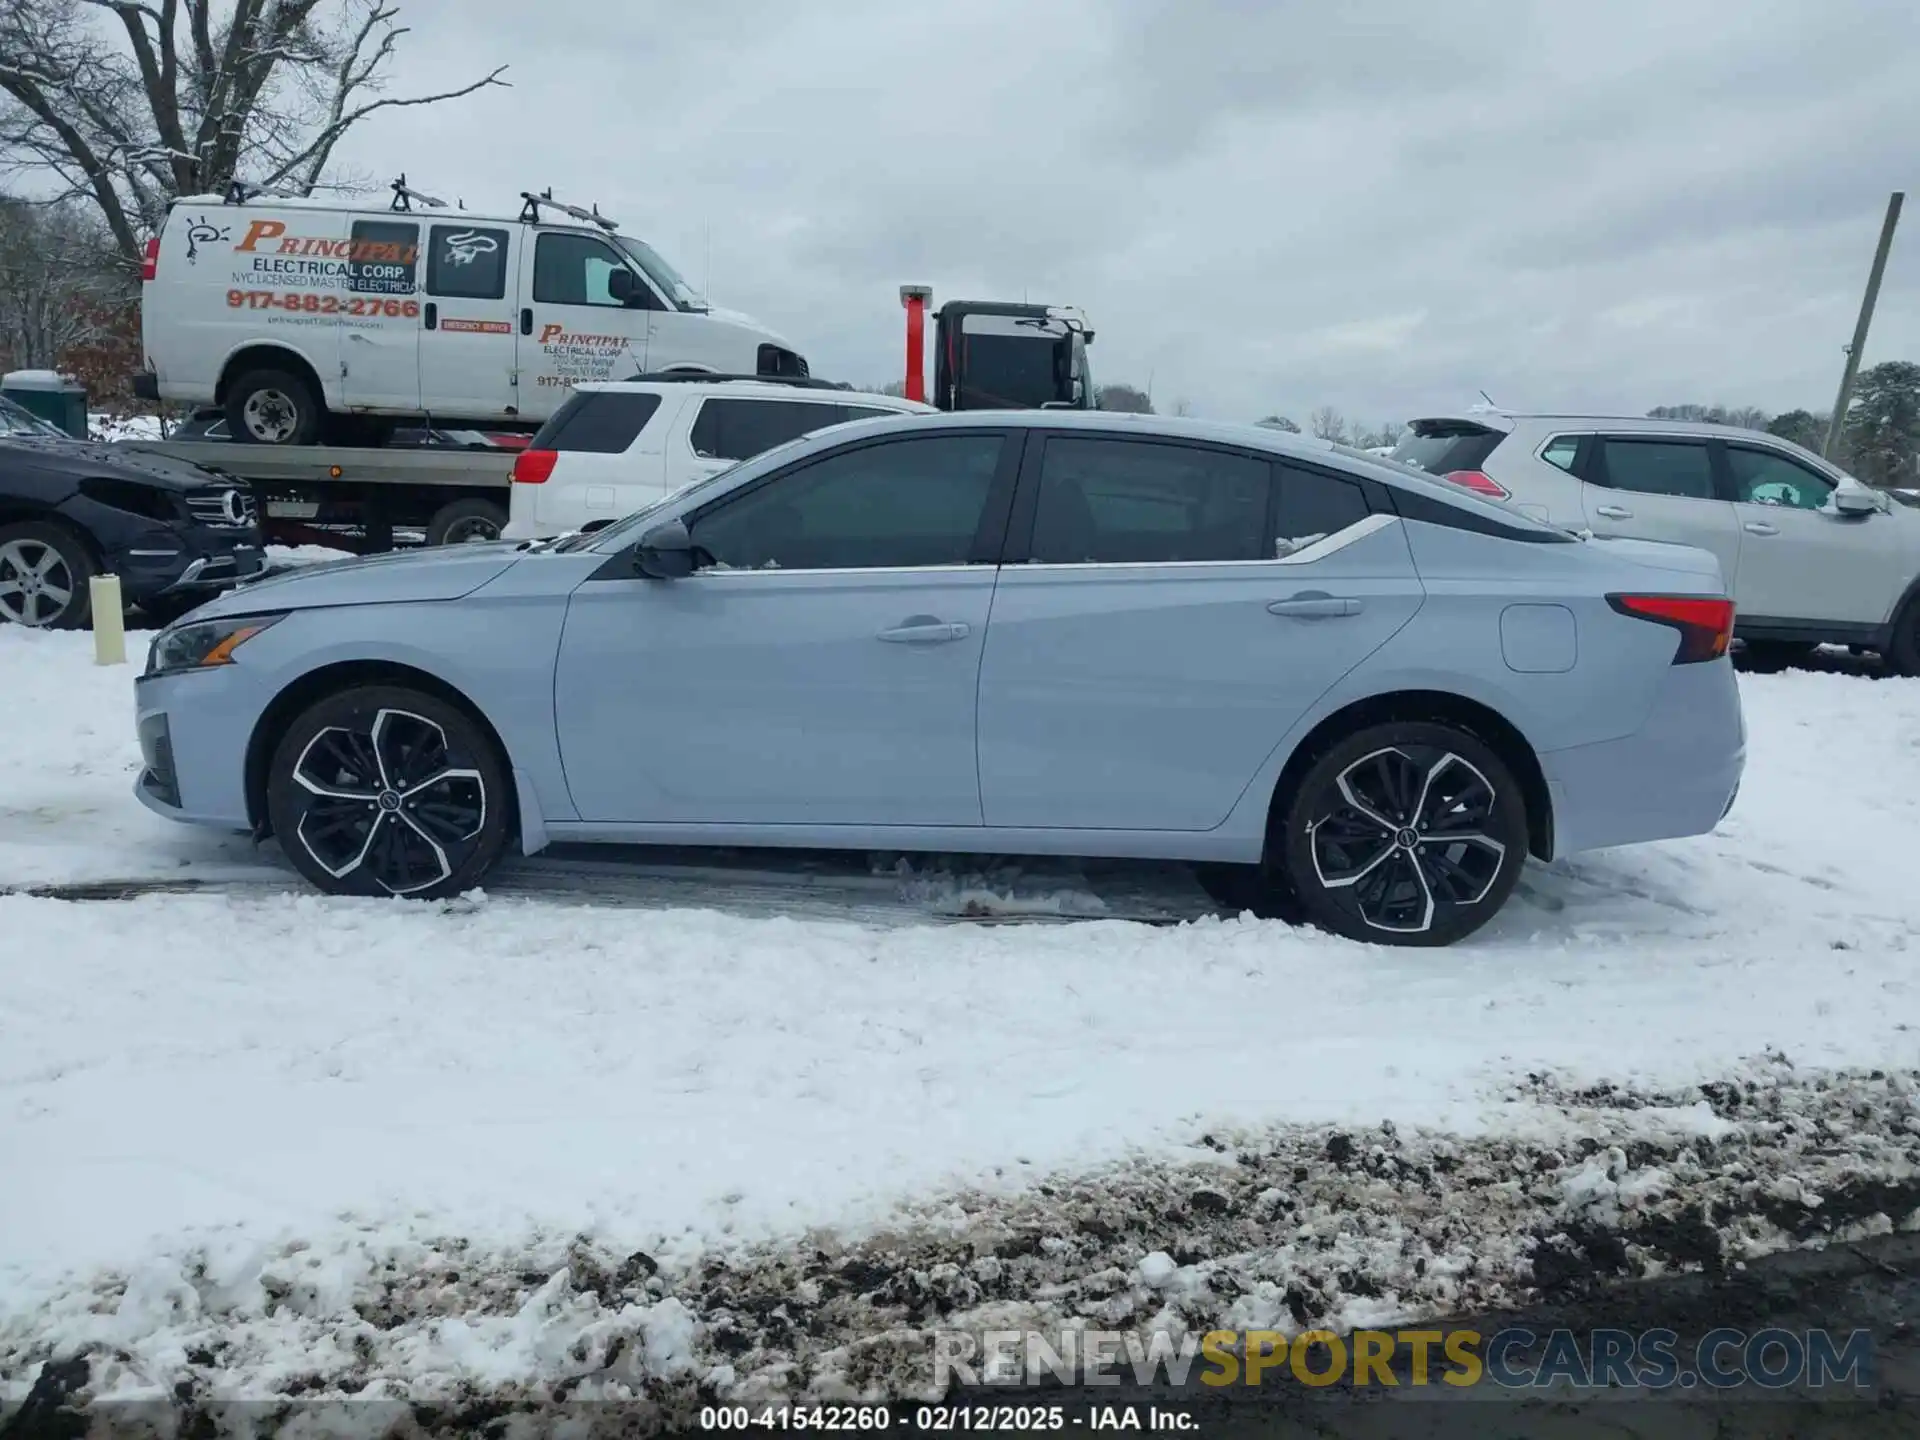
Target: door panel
x,y
821,665
380,351
576,330
1183,605
1800,559
770,697
467,340
1661,489
1146,697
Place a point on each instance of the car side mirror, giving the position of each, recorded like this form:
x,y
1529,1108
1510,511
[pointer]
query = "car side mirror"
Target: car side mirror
x,y
620,284
665,552
1849,501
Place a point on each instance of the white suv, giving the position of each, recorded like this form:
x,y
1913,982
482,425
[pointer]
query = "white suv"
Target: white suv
x,y
615,447
1811,556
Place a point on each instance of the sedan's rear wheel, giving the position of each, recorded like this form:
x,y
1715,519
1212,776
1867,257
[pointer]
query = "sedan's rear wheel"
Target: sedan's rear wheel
x,y
1407,833
383,790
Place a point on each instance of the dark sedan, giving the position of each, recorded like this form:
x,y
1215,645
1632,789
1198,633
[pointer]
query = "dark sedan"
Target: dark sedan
x,y
70,509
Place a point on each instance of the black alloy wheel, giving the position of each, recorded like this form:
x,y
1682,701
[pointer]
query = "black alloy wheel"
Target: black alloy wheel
x,y
382,790
1408,833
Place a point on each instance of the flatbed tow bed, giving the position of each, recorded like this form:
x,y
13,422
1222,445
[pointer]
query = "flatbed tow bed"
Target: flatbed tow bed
x,y
354,498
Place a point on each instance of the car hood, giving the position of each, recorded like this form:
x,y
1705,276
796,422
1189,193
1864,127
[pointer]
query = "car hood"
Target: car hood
x,y
442,572
121,461
751,322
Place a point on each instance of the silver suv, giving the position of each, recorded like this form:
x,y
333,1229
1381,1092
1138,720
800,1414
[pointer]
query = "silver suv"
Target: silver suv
x,y
1810,555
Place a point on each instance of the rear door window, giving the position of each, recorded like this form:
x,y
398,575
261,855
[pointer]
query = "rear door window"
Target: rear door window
x,y
1135,502
736,429
1656,467
1441,447
467,262
1563,453
1312,506
605,422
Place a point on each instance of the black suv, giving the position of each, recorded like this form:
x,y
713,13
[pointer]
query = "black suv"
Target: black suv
x,y
71,509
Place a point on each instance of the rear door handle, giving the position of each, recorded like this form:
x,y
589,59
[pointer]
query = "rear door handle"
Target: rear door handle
x,y
1760,527
924,630
1613,512
430,313
1315,607
526,320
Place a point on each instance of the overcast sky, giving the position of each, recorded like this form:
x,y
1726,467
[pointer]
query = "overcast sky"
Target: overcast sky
x,y
1261,204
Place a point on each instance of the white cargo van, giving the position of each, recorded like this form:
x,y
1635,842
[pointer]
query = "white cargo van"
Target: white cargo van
x,y
285,311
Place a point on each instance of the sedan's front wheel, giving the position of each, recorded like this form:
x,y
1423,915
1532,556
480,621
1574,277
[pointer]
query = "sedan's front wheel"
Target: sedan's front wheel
x,y
383,790
1406,833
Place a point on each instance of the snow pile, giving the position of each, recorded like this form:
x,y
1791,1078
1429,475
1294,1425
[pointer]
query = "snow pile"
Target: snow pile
x,y
125,427
1285,1228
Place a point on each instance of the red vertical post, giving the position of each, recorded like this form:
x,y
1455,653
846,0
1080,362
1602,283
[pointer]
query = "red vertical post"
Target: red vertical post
x,y
916,298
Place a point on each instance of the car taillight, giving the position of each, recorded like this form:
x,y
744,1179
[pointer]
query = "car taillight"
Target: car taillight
x,y
532,467
150,266
1705,625
1479,482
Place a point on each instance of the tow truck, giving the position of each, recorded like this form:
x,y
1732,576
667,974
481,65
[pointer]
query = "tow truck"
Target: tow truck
x,y
988,355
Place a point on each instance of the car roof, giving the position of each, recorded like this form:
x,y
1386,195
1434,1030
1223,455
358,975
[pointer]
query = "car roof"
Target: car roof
x,y
1634,424
740,387
1280,443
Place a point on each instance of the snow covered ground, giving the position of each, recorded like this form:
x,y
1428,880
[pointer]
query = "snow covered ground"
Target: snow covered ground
x,y
257,1139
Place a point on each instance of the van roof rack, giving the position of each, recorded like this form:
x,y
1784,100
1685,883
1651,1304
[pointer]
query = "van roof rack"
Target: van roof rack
x,y
404,196
530,212
239,193
698,377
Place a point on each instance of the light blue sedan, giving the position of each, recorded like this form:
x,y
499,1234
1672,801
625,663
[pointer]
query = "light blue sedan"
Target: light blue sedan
x,y
1345,692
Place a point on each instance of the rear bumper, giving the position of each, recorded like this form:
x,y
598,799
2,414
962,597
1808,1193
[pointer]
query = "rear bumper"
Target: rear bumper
x,y
1676,775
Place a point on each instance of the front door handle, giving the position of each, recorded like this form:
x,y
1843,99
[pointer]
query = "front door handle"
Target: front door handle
x,y
1760,527
1315,607
526,320
925,630
1613,512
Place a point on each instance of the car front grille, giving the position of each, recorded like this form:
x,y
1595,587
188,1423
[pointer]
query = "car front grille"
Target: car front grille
x,y
223,507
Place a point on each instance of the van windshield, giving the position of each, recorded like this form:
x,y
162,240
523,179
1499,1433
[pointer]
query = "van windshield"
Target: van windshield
x,y
661,273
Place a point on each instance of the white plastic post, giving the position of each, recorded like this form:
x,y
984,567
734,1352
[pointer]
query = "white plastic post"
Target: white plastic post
x,y
109,621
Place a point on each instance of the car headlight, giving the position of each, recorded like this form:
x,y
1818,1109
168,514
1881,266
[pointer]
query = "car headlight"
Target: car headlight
x,y
204,644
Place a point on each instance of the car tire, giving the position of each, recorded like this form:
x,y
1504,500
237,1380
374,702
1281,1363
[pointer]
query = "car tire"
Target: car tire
x,y
466,522
386,790
1763,657
1364,840
45,570
273,407
1902,655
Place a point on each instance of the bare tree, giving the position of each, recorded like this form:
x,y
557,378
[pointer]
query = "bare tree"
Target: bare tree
x,y
1328,424
1183,408
62,289
1125,398
190,101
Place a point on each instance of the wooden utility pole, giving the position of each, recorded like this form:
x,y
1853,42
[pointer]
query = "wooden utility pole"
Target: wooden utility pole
x,y
1835,425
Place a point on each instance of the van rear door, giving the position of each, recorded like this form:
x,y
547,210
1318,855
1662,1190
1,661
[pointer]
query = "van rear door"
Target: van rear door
x,y
380,316
467,332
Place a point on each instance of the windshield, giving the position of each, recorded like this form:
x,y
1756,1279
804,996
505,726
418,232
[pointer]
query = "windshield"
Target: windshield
x,y
18,420
660,272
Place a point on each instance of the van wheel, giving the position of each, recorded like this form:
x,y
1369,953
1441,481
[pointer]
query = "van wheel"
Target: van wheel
x,y
466,522
273,407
